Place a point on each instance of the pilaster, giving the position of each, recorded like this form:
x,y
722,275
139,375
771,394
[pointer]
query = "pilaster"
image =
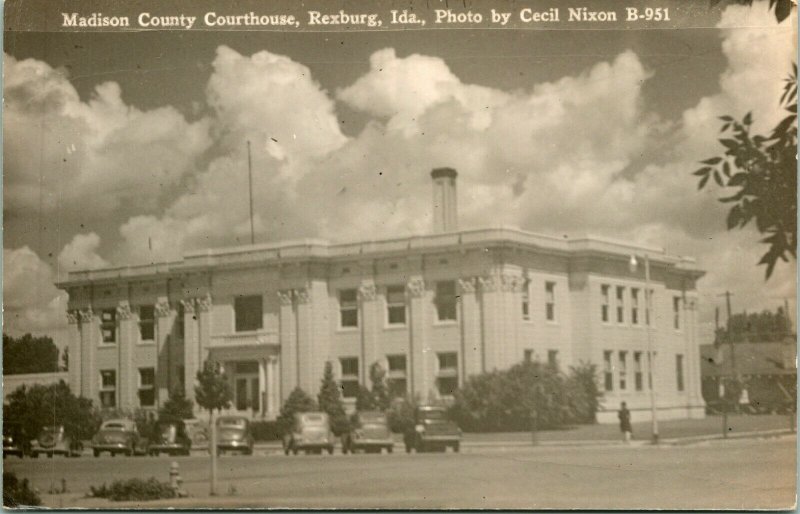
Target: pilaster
x,y
288,342
191,346
90,338
165,317
305,342
128,336
203,312
370,324
492,307
420,382
74,368
471,345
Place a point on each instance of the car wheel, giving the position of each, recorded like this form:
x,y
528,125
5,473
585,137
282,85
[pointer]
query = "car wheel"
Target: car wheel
x,y
295,450
35,455
330,450
50,455
390,449
457,447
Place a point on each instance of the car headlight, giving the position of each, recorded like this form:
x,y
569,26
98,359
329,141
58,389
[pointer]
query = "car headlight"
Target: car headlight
x,y
420,428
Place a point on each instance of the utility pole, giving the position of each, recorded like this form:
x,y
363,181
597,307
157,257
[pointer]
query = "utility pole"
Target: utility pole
x,y
729,336
250,180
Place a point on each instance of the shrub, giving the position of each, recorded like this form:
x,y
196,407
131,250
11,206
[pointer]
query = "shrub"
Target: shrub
x,y
401,414
330,401
298,401
177,406
134,489
18,493
265,430
583,393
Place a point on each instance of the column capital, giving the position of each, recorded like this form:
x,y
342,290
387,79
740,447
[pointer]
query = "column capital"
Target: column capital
x,y
188,305
416,287
72,317
511,283
302,295
124,310
163,309
467,285
489,284
203,303
367,291
285,297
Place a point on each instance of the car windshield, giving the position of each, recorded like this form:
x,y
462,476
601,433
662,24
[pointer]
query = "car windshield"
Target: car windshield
x,y
238,423
50,430
433,415
313,419
114,426
373,425
168,432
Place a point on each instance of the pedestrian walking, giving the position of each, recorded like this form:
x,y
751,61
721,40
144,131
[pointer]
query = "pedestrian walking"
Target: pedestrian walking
x,y
624,416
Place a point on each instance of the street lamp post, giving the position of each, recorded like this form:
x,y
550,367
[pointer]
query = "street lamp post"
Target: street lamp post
x,y
650,357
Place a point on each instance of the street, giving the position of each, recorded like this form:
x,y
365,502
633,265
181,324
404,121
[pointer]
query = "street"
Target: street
x,y
732,474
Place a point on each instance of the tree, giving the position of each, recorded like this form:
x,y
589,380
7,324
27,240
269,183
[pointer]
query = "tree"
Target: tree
x,y
330,402
377,376
298,401
177,406
65,359
29,354
763,171
212,393
782,7
41,405
755,327
365,400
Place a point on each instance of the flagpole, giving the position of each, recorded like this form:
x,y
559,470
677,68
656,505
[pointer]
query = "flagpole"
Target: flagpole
x,y
250,179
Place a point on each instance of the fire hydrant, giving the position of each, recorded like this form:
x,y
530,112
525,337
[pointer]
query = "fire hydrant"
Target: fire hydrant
x,y
175,479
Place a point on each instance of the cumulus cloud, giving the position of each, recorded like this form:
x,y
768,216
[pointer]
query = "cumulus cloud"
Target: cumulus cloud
x,y
81,253
31,302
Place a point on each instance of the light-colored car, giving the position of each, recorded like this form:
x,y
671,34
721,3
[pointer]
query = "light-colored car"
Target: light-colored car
x,y
310,432
233,434
53,440
119,436
370,433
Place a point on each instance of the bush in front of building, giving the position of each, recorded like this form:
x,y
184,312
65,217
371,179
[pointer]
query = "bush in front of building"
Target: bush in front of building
x,y
401,414
177,407
298,401
330,402
18,493
265,430
43,405
583,394
529,395
133,489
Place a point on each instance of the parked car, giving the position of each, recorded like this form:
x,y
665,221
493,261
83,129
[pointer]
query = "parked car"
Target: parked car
x,y
54,440
171,439
432,430
119,436
233,433
370,432
13,441
310,432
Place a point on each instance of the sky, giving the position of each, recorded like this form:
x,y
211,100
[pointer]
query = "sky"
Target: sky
x,y
129,148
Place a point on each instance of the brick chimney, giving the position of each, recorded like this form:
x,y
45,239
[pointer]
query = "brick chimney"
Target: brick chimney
x,y
445,211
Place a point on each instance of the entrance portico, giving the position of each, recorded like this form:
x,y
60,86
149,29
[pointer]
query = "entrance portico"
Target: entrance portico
x,y
254,376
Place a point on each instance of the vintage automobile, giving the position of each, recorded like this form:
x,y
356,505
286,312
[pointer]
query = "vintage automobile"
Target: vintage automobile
x,y
54,440
432,431
233,434
119,436
310,432
13,442
370,432
171,439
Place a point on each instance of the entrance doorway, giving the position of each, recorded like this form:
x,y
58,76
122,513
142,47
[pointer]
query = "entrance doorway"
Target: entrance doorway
x,y
246,390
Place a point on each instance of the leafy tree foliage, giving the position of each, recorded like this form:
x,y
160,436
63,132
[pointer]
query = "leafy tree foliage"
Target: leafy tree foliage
x,y
39,406
526,395
330,401
212,392
380,391
401,414
365,400
176,407
756,327
18,493
29,354
782,7
763,172
298,401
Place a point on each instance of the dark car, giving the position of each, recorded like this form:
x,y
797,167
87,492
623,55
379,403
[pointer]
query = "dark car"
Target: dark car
x,y
54,440
310,432
119,436
13,441
432,431
233,434
171,439
370,432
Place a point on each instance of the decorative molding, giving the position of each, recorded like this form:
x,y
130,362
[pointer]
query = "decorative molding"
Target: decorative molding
x,y
367,292
188,305
86,315
124,310
489,284
285,297
416,287
467,285
511,283
302,295
72,317
163,309
203,303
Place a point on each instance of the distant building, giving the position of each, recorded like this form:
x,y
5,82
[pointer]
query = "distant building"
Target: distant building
x,y
432,309
768,372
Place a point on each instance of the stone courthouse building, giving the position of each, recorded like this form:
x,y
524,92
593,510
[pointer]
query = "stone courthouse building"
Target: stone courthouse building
x,y
433,309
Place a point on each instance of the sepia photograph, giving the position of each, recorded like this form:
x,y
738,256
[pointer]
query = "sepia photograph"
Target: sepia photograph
x,y
417,255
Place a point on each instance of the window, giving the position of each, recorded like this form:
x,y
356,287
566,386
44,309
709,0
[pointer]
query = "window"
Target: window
x,y
552,358
396,378
635,306
108,388
528,356
676,312
248,313
620,304
349,382
447,376
147,387
608,371
550,300
147,322
637,370
446,301
604,291
396,305
679,371
348,308
623,370
179,322
526,300
108,325
648,301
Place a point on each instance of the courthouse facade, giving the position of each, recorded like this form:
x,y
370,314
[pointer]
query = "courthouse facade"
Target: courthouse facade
x,y
431,309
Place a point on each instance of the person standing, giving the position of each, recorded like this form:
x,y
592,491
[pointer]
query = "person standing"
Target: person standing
x,y
624,416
